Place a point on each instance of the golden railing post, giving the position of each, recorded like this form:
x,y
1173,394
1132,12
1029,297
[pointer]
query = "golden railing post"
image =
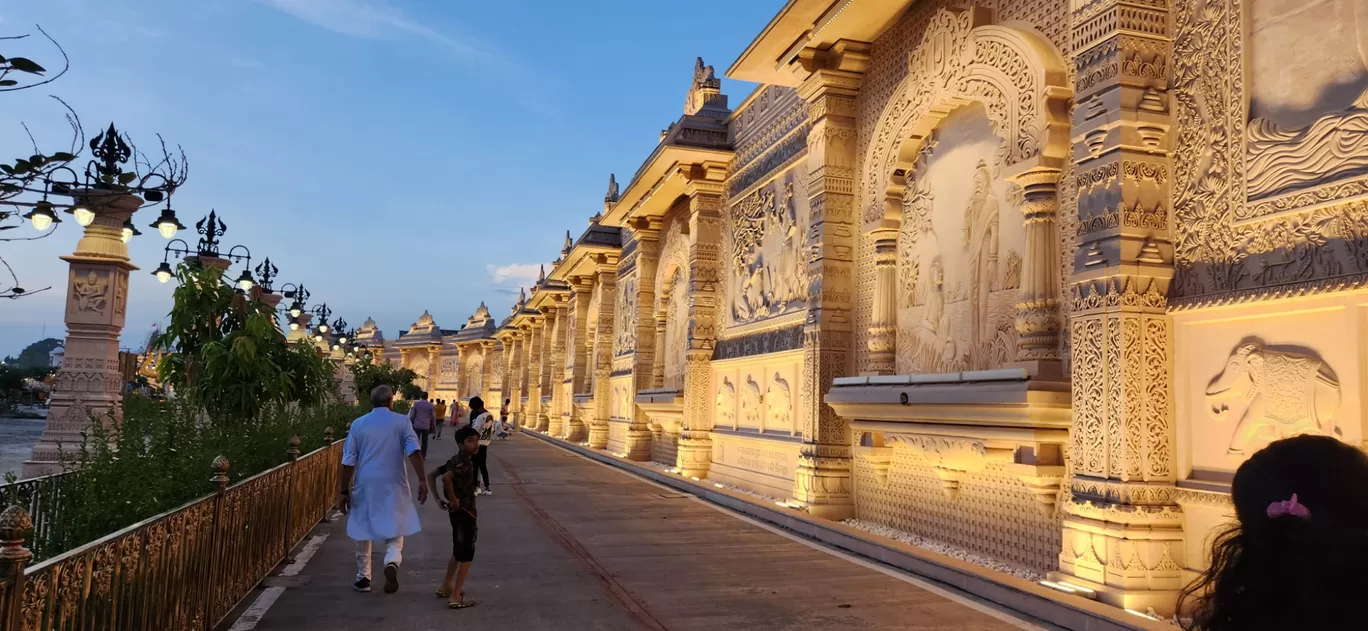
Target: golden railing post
x,y
214,582
329,481
290,491
15,523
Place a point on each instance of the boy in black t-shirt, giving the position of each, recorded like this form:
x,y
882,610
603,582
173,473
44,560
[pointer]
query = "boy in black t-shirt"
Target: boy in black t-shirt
x,y
457,496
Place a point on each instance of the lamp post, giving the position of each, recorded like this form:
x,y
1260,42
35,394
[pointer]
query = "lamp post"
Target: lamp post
x,y
103,203
299,317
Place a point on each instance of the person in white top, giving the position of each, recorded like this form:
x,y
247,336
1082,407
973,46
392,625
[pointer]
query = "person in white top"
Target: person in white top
x,y
483,422
374,490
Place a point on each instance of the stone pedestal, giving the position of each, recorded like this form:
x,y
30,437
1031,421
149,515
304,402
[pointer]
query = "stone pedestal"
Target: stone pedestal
x,y
89,384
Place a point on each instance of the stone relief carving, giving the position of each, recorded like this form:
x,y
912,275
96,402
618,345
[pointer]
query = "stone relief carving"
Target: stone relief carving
x,y
475,384
1309,112
750,403
778,403
959,262
89,292
1258,200
419,365
769,275
1274,392
627,315
726,403
676,328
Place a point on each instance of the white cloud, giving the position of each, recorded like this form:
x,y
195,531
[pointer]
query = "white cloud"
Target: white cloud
x,y
369,20
519,273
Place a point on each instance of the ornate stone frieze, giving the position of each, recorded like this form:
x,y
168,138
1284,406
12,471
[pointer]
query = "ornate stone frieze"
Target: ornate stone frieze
x,y
778,340
769,237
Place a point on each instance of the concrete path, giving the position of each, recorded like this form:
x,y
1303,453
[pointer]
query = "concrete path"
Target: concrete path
x,y
566,543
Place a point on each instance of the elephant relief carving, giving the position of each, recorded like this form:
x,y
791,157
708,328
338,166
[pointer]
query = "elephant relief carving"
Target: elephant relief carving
x,y
750,402
726,404
777,403
1274,392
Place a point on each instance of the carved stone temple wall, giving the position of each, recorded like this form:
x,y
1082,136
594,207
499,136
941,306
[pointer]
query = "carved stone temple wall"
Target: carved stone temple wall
x,y
1029,278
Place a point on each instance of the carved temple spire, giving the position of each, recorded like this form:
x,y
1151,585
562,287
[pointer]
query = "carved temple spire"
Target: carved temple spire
x,y
569,244
612,195
541,274
705,93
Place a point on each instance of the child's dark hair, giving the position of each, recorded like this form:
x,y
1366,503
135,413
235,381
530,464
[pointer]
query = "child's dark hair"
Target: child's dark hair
x,y
1290,564
464,433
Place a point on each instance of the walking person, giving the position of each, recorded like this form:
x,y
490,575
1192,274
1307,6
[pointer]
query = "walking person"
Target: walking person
x,y
422,415
457,495
483,422
374,488
439,413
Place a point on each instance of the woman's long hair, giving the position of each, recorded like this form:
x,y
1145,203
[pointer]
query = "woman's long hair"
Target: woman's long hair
x,y
1284,571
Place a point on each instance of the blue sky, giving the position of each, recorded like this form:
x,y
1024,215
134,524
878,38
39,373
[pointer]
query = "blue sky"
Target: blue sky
x,y
392,155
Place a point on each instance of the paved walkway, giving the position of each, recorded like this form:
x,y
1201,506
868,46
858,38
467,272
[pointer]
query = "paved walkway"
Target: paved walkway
x,y
567,543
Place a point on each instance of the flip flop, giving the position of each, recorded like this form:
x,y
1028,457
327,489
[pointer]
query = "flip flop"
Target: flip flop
x,y
442,594
463,604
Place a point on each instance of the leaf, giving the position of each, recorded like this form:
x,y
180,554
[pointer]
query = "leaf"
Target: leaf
x,y
8,82
62,156
125,178
24,64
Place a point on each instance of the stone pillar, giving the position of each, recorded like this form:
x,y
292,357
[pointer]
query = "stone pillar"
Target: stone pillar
x,y
576,363
434,370
823,478
606,291
662,318
549,420
1037,321
537,328
512,384
646,232
559,348
1122,528
883,327
89,385
705,190
492,379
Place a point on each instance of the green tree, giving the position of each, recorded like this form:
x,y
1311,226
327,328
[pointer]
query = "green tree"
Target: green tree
x,y
37,354
369,374
227,355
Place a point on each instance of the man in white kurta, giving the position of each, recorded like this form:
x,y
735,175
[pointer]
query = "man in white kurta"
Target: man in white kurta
x,y
375,491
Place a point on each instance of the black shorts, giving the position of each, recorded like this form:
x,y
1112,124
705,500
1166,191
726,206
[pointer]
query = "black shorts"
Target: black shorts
x,y
464,532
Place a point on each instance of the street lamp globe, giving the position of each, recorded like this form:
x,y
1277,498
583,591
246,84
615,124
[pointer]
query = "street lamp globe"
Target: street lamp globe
x,y
245,281
294,326
296,309
129,231
42,216
84,216
166,224
163,272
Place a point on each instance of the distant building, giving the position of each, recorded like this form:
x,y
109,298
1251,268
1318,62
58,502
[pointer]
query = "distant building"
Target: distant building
x,y
55,357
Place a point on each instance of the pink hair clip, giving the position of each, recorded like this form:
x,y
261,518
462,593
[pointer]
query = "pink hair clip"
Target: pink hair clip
x,y
1288,507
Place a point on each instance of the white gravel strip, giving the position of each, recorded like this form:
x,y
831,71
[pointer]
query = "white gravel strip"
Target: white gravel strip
x,y
949,550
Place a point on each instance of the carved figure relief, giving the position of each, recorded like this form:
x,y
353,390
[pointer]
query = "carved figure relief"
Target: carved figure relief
x,y
627,315
89,292
675,292
475,384
778,403
959,253
625,406
1308,112
726,404
750,404
769,275
419,364
1273,393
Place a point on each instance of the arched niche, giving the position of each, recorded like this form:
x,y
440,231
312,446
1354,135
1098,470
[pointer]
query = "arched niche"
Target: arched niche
x,y
1015,79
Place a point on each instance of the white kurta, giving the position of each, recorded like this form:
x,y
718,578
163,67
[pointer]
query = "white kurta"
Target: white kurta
x,y
382,506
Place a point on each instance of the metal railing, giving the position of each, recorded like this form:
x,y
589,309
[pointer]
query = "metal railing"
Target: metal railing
x,y
185,569
46,499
